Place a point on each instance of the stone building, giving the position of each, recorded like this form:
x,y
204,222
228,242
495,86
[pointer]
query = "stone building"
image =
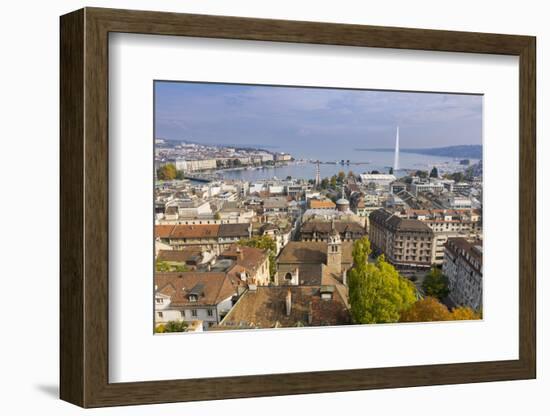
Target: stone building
x,y
406,243
463,265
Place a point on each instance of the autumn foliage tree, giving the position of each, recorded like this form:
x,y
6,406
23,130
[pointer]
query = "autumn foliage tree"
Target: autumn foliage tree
x,y
426,310
167,172
430,309
377,293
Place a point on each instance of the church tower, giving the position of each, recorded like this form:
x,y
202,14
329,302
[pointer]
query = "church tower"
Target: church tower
x,y
334,250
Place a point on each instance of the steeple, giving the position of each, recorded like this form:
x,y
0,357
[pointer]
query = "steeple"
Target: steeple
x,y
318,176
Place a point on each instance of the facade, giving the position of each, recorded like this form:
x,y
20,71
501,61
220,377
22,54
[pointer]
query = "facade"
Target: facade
x,y
249,264
312,262
207,237
320,230
380,180
406,243
447,223
193,296
463,266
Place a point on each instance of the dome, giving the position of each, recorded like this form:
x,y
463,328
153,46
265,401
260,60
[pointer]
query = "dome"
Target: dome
x,y
342,201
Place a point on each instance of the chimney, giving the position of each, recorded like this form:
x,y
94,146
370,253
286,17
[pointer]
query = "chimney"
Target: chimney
x,y
288,302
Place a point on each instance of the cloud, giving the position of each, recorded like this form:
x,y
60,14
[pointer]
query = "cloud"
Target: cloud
x,y
226,113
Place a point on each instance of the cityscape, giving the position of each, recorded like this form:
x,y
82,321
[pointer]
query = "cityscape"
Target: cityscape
x,y
263,221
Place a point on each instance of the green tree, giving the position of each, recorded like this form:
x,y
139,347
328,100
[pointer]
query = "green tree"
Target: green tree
x,y
341,176
167,172
162,266
333,181
391,171
324,183
175,326
436,284
266,243
180,174
377,293
421,174
434,173
457,177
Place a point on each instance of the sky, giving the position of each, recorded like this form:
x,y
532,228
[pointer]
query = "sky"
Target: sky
x,y
297,118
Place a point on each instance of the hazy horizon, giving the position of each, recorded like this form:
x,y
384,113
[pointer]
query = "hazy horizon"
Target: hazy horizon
x,y
296,119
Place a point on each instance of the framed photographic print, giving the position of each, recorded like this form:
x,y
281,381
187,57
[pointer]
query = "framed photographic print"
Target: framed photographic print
x,y
278,207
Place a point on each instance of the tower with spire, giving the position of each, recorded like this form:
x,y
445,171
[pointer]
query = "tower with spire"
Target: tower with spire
x,y
334,250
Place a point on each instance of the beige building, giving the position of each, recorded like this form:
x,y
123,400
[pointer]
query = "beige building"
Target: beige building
x,y
407,243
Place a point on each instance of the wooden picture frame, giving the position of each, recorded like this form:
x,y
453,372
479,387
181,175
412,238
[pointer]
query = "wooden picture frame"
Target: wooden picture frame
x,y
84,207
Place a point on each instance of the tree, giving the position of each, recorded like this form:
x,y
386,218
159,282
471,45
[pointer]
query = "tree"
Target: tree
x,y
180,174
324,183
426,310
172,326
266,243
377,293
434,173
421,174
464,313
333,181
162,266
341,176
436,284
167,172
457,177
351,174
391,171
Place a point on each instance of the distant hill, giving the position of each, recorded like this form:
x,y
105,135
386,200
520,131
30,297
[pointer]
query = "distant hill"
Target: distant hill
x,y
473,151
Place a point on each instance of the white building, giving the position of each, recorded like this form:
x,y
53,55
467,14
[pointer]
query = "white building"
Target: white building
x,y
193,296
381,180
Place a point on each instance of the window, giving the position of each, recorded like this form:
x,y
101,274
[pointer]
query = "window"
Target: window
x,y
288,276
159,314
194,313
210,312
183,314
192,298
160,300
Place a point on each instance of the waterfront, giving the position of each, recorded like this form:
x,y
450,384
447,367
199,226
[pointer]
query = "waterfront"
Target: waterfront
x,y
364,161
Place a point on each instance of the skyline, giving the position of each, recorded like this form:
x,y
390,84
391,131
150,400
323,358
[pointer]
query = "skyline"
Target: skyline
x,y
292,118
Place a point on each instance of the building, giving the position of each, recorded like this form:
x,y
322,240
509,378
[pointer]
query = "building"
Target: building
x,y
193,296
447,223
282,157
315,203
247,264
406,243
463,266
288,306
231,233
207,237
427,186
309,262
380,180
191,257
321,230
